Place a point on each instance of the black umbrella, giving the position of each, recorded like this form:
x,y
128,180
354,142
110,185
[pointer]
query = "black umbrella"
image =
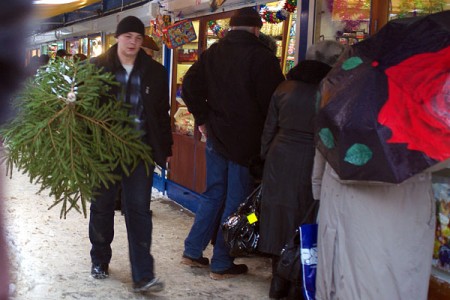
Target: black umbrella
x,y
386,108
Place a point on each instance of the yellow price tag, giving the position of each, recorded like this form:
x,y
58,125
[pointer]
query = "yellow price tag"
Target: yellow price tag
x,y
252,218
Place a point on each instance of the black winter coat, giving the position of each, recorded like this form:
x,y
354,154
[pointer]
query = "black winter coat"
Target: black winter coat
x,y
155,97
229,90
288,149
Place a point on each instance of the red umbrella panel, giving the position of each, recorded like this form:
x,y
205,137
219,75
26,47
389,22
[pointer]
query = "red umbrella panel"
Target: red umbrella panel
x,y
388,104
420,119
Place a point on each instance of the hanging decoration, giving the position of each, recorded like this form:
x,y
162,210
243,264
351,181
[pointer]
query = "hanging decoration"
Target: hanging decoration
x,y
217,29
159,24
275,17
179,34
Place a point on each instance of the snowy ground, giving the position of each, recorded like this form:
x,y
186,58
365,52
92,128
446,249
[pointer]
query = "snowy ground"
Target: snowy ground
x,y
50,256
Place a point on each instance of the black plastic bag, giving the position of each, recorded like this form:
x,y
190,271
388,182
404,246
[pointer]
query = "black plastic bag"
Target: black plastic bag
x,y
289,264
241,229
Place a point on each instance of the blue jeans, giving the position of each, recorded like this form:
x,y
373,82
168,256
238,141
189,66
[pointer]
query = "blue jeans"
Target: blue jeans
x,y
227,186
136,196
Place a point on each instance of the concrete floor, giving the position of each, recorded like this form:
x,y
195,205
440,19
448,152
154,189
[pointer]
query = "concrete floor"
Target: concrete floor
x,y
50,256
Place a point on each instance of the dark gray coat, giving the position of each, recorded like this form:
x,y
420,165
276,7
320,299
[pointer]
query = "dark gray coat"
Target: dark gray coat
x,y
288,148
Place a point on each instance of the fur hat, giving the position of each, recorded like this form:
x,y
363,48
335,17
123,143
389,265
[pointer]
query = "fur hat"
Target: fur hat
x,y
130,24
246,16
327,51
149,43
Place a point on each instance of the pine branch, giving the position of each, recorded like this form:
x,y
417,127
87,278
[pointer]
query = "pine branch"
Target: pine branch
x,y
71,148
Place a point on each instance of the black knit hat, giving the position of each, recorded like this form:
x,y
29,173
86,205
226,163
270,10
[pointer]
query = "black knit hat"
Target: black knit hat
x,y
246,16
130,24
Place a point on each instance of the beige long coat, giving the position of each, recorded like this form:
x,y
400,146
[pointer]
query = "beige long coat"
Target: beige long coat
x,y
375,240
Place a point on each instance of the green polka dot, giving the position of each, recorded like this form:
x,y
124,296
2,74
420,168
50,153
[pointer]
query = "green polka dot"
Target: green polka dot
x,y
326,136
351,63
358,154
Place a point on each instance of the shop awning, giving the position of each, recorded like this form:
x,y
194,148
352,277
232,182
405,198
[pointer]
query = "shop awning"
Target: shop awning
x,y
185,8
44,9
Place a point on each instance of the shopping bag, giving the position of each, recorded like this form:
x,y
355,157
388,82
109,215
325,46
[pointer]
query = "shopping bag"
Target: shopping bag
x,y
298,258
241,229
308,259
289,266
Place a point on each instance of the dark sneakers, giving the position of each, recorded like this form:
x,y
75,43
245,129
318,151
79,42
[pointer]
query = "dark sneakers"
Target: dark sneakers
x,y
99,271
201,262
146,285
233,271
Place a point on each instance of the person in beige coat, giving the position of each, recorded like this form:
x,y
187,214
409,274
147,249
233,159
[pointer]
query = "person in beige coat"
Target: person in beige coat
x,y
375,240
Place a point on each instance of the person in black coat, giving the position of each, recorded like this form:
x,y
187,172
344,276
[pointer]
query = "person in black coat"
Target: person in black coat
x,y
288,150
154,90
228,91
144,85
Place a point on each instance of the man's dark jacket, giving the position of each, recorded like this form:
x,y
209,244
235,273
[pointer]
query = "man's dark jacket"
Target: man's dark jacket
x,y
229,89
155,98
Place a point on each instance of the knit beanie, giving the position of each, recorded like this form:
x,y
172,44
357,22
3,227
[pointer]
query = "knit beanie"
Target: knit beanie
x,y
130,24
246,16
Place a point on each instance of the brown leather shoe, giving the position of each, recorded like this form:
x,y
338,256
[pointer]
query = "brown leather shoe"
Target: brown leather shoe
x,y
201,262
233,271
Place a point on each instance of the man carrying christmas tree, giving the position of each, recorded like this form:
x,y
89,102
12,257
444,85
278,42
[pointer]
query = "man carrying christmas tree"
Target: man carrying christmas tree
x,y
144,85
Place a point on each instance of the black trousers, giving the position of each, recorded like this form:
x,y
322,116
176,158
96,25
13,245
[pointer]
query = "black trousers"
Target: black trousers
x,y
136,196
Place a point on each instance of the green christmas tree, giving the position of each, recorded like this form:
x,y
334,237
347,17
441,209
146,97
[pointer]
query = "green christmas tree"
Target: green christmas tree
x,y
70,134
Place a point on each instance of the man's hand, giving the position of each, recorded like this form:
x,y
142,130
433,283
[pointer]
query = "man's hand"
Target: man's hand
x,y
203,131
